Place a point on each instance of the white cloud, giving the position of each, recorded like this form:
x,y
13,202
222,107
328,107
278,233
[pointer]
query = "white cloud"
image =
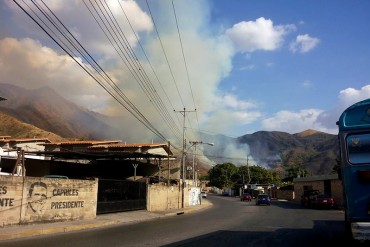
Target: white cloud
x,y
293,122
28,64
304,43
248,67
307,84
231,101
317,119
249,36
346,98
230,113
350,95
269,64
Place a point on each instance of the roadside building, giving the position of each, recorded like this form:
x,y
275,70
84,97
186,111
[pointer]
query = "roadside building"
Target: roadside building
x,y
326,184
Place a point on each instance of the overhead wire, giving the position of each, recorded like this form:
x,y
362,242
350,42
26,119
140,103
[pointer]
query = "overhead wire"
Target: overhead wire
x,y
165,54
114,33
185,64
125,52
150,64
161,108
129,106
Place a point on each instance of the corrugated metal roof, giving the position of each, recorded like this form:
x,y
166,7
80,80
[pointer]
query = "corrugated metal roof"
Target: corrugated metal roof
x,y
131,145
26,140
94,148
90,142
125,146
96,154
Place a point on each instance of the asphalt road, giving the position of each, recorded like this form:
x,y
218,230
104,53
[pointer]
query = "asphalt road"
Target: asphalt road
x,y
229,222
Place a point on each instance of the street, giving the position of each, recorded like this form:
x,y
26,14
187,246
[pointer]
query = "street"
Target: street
x,y
229,222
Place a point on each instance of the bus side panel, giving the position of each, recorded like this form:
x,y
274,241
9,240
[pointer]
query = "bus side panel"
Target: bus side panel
x,y
357,195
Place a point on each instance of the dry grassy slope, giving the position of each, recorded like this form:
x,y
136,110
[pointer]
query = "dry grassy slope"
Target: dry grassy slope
x,y
10,126
47,110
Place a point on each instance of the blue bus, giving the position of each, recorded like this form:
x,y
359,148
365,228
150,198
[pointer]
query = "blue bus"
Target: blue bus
x,y
354,144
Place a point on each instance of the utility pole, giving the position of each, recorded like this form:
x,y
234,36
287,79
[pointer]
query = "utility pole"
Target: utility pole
x,y
195,143
169,168
249,174
194,160
183,159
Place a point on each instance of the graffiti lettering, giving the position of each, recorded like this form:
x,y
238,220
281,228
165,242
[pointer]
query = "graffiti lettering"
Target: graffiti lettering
x,y
65,192
73,204
3,189
6,202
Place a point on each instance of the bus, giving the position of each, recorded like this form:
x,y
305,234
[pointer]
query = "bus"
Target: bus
x,y
354,149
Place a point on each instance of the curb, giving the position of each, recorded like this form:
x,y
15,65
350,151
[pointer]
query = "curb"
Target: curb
x,y
31,233
75,227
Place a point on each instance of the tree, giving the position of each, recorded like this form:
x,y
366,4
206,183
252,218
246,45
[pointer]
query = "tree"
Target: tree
x,y
244,173
221,175
295,171
260,175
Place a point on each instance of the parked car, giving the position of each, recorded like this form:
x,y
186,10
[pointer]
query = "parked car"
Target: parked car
x,y
246,197
263,199
308,196
323,201
203,194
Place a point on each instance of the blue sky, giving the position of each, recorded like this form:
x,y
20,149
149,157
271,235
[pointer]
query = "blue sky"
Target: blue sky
x,y
245,66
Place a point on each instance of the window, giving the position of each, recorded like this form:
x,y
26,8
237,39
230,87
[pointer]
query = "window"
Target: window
x,y
358,147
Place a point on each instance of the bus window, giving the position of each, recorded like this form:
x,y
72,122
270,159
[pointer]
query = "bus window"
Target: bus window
x,y
358,147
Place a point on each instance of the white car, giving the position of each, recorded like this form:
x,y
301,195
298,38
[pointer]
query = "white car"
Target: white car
x,y
203,194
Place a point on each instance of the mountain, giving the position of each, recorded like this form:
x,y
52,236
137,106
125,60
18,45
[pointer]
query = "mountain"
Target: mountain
x,y
10,126
311,150
43,113
47,110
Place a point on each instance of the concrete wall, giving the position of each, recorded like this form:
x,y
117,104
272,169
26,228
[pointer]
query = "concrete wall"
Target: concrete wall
x,y
169,169
337,192
11,191
161,197
34,199
285,194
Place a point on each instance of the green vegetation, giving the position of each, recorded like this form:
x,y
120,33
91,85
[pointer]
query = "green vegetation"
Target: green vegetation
x,y
228,175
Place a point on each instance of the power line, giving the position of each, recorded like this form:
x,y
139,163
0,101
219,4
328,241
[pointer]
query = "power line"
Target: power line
x,y
45,18
119,96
